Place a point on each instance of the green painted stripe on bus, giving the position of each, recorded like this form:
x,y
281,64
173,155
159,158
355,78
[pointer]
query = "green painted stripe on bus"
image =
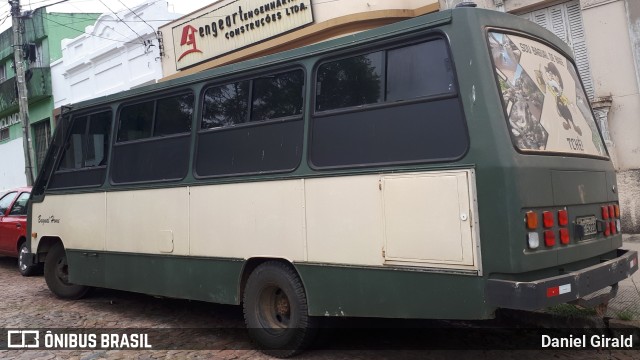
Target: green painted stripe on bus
x,y
332,290
392,293
204,279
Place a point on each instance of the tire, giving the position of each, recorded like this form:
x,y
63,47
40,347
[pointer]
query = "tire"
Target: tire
x,y
23,268
56,273
275,310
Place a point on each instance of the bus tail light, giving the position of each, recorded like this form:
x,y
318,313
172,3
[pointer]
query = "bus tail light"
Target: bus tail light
x,y
563,218
618,227
532,220
533,240
558,290
605,213
549,238
607,229
612,227
612,213
616,210
547,219
564,236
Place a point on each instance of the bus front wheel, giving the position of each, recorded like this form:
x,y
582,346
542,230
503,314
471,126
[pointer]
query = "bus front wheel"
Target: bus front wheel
x,y
275,310
56,274
24,269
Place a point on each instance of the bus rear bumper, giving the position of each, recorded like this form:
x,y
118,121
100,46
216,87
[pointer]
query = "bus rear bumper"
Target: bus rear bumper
x,y
570,287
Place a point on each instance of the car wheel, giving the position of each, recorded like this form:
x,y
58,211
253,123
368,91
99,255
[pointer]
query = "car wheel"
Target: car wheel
x,y
56,274
275,310
24,269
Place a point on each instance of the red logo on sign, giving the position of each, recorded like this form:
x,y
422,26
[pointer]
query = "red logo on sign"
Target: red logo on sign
x,y
189,38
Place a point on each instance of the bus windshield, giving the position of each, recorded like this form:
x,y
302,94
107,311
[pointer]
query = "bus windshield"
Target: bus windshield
x,y
546,107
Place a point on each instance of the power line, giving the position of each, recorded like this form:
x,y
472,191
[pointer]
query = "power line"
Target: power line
x,y
114,13
70,15
84,32
133,12
5,19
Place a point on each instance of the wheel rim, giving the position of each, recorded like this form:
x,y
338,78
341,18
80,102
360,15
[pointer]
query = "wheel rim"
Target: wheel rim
x,y
274,309
21,264
62,270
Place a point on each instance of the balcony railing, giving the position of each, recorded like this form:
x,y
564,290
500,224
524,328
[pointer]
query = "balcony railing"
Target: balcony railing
x,y
38,88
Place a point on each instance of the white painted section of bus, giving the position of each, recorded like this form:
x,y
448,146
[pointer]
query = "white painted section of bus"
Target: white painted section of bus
x,y
344,220
419,220
148,221
80,220
408,220
427,218
257,219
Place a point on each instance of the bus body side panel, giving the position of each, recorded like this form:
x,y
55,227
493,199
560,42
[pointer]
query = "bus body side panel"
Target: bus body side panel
x,y
252,219
421,219
58,216
154,221
392,293
183,277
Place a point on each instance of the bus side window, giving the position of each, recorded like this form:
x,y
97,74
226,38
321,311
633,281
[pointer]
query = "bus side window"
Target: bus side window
x,y
72,157
225,105
419,70
98,139
86,148
398,105
164,123
173,115
350,82
252,126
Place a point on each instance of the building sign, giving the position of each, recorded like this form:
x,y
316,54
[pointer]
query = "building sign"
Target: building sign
x,y
236,25
9,120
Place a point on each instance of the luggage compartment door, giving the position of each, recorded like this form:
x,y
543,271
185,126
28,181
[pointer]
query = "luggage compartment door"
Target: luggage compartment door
x,y
429,219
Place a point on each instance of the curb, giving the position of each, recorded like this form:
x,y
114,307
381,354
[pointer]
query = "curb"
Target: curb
x,y
539,319
624,324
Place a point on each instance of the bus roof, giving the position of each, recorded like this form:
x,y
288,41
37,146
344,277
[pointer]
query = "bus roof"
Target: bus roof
x,y
465,20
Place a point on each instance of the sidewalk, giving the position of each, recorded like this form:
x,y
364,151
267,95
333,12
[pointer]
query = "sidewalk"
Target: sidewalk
x,y
626,305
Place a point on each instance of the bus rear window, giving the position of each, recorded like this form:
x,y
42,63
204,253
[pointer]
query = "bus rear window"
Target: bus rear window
x,y
546,107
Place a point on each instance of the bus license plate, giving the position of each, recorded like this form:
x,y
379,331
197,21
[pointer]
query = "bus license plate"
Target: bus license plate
x,y
588,224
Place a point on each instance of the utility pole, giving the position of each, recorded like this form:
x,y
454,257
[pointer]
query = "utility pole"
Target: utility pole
x,y
21,84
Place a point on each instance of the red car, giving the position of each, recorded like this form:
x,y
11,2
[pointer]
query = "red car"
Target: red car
x,y
13,226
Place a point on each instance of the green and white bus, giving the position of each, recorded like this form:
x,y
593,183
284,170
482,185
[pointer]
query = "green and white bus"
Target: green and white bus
x,y
440,167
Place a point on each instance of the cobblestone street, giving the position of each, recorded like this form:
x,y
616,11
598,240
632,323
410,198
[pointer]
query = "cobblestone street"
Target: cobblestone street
x,y
28,303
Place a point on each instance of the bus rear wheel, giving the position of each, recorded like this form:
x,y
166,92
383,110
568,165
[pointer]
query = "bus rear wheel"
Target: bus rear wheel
x,y
56,274
275,310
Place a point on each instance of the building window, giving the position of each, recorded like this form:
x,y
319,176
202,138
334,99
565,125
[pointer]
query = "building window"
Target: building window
x,y
42,136
3,72
565,21
4,134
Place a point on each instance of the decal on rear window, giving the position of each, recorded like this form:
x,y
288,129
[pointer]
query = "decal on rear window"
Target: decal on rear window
x,y
546,106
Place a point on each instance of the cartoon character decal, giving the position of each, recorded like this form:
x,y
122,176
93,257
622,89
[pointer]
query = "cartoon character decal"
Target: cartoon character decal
x,y
550,79
546,106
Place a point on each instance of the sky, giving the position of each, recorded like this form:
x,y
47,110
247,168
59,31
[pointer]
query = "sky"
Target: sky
x,y
96,6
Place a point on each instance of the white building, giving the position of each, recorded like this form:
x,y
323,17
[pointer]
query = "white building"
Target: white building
x,y
119,52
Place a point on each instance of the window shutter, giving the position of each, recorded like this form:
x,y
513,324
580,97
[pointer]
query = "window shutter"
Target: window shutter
x,y
579,45
558,23
565,21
